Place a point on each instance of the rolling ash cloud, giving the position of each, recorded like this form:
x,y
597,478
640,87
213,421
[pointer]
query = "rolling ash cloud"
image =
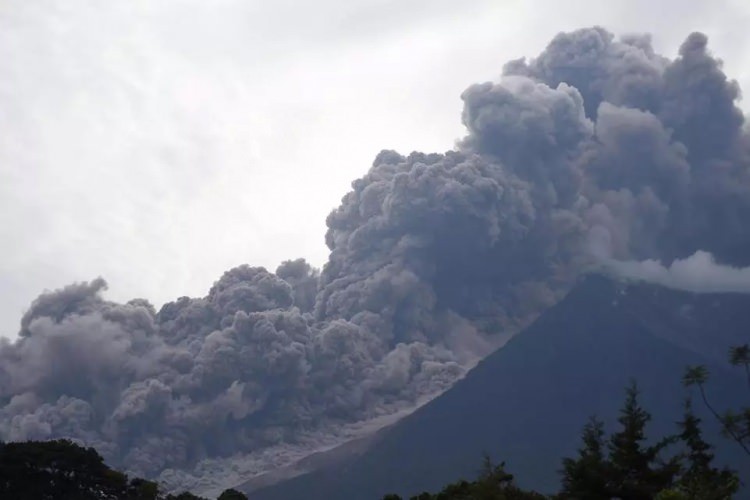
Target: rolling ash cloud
x,y
597,148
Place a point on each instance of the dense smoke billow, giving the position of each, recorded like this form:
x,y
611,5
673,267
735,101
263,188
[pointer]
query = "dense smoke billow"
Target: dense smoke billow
x,y
597,148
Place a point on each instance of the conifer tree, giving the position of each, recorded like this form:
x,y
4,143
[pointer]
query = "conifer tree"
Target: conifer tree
x,y
700,480
585,477
635,469
232,494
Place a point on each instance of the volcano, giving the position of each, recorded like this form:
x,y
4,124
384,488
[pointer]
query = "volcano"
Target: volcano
x,y
526,403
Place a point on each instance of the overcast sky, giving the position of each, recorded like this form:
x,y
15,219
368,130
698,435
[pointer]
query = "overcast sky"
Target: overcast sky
x,y
159,143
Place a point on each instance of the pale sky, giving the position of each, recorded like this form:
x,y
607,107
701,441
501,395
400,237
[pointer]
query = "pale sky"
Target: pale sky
x,y
157,143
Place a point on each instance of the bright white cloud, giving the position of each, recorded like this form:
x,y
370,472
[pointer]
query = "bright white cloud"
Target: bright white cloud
x,y
698,273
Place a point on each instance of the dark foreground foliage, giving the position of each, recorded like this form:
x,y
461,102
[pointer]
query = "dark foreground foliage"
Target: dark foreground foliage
x,y
625,465
62,470
493,483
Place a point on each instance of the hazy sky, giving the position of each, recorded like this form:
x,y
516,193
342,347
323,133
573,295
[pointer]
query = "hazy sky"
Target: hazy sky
x,y
158,143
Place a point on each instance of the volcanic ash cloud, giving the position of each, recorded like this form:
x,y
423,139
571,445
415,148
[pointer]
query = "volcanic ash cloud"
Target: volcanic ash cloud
x,y
598,148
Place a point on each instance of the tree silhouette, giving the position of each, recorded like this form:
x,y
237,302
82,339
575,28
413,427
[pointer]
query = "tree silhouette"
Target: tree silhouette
x,y
699,479
636,471
493,483
586,476
735,423
232,494
63,470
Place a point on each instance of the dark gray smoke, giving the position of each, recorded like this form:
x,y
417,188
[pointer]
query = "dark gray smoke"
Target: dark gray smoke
x,y
596,148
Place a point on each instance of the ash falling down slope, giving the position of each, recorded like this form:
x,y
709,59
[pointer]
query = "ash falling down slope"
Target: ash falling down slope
x,y
597,149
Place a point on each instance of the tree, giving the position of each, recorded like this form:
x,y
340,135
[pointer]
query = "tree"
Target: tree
x,y
140,489
624,466
735,423
740,356
232,494
635,470
586,477
57,469
493,483
700,480
63,470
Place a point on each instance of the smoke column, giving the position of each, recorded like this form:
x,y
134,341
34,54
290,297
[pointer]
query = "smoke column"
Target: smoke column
x,y
598,148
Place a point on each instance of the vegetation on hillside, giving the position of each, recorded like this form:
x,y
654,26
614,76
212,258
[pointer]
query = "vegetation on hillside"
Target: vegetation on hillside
x,y
627,464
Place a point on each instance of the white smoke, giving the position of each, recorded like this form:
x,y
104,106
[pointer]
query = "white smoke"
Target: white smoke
x,y
698,273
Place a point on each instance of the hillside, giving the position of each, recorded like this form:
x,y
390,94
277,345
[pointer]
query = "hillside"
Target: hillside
x,y
526,403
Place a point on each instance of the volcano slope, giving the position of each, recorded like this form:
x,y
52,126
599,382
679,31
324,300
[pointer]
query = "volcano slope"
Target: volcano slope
x,y
526,403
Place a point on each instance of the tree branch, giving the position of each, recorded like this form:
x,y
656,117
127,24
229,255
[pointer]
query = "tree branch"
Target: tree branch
x,y
722,421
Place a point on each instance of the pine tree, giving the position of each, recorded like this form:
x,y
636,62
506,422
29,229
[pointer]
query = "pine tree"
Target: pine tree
x,y
585,477
232,494
635,472
700,480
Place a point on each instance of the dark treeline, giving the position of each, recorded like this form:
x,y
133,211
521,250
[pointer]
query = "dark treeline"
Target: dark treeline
x,y
62,470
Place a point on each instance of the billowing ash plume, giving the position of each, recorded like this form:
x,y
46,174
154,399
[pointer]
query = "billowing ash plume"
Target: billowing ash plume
x,y
596,148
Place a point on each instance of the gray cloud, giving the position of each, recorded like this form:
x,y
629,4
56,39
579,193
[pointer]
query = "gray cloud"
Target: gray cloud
x,y
621,72
597,149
